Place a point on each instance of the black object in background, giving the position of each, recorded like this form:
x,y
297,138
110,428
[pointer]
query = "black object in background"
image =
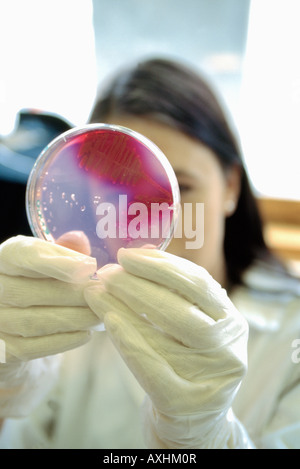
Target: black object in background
x,y
18,152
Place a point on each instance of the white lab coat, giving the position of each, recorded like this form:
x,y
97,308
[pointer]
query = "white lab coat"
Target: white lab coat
x,y
268,401
96,402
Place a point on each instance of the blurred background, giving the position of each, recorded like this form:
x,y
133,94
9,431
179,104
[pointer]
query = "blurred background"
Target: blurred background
x,y
55,53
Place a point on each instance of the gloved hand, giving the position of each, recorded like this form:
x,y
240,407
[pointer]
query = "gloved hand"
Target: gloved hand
x,y
42,313
183,340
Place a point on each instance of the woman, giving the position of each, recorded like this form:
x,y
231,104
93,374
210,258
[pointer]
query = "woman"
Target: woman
x,y
166,313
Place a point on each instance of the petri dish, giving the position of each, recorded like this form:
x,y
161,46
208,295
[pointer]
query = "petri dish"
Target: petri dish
x,y
106,186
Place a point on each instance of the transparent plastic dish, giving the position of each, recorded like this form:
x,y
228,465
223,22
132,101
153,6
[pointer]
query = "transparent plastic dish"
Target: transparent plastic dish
x,y
106,186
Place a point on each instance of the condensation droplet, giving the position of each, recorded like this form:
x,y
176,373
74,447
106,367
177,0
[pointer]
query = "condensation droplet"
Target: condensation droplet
x,y
73,197
96,200
82,208
63,195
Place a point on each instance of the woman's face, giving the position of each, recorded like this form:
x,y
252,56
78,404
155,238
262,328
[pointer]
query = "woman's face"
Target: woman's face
x,y
202,181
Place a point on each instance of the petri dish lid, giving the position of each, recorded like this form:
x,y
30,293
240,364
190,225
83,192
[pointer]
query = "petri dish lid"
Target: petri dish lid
x,y
103,186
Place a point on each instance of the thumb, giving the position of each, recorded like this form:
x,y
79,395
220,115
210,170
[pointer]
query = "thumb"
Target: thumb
x,y
75,240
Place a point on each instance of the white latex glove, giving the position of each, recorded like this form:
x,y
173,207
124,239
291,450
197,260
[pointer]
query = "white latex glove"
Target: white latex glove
x,y
42,313
183,340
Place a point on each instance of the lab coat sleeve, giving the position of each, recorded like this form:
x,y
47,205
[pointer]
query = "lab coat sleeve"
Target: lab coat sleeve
x,y
283,430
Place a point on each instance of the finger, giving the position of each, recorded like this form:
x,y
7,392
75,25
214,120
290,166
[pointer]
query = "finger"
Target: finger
x,y
39,321
189,363
30,348
24,292
169,392
75,240
33,257
100,301
162,307
186,278
184,360
152,372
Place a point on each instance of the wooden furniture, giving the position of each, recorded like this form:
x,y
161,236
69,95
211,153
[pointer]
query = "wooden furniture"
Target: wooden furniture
x,y
282,228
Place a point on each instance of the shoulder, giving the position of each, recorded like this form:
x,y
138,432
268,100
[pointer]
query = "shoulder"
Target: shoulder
x,y
268,297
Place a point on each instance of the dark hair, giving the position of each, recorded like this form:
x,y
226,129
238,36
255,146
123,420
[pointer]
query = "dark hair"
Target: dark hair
x,y
172,92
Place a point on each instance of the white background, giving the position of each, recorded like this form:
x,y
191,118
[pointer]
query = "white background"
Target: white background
x,y
55,52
